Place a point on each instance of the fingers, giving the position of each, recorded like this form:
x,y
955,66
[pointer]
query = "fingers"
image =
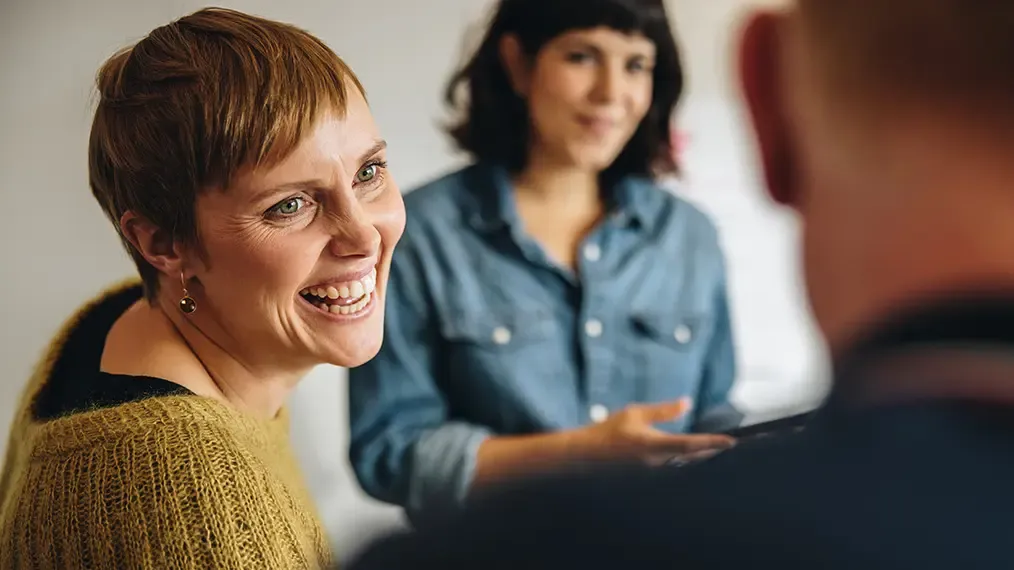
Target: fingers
x,y
706,442
661,442
664,411
657,459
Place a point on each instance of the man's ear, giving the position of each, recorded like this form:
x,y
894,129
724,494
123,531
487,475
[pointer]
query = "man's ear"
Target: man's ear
x,y
760,71
156,245
515,64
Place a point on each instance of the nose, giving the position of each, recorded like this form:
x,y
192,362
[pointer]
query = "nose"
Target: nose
x,y
353,234
608,83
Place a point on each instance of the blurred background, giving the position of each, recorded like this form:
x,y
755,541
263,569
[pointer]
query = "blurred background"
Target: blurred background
x,y
58,250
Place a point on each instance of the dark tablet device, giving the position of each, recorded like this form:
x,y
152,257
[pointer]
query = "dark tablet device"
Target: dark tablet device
x,y
780,426
787,424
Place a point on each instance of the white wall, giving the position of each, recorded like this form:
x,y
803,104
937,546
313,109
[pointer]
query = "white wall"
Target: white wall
x,y
57,249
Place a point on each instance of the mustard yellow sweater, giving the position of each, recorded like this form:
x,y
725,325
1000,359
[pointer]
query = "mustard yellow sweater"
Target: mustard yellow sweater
x,y
171,482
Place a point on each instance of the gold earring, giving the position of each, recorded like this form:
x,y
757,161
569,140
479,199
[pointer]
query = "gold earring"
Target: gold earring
x,y
187,304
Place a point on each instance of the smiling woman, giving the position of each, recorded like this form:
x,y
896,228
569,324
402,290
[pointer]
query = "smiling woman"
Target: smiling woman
x,y
550,304
239,162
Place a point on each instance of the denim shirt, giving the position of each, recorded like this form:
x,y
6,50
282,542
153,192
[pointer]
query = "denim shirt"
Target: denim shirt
x,y
486,335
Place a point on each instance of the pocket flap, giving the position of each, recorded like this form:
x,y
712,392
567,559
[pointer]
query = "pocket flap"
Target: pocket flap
x,y
498,328
673,329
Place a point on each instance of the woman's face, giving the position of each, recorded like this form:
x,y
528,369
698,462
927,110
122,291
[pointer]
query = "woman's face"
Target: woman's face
x,y
297,255
588,91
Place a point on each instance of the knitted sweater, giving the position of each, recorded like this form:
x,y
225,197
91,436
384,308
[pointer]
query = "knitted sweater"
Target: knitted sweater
x,y
173,481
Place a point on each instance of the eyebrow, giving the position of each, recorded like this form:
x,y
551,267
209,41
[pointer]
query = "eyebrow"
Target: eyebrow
x,y
581,43
378,146
315,183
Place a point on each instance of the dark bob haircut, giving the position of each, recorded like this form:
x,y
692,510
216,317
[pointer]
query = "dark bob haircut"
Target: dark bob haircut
x,y
494,124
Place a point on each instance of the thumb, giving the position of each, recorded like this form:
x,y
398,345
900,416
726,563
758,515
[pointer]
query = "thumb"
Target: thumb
x,y
665,411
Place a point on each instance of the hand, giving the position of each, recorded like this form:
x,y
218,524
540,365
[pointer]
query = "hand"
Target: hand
x,y
630,434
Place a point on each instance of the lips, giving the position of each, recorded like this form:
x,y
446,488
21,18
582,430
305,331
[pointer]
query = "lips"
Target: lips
x,y
345,297
597,125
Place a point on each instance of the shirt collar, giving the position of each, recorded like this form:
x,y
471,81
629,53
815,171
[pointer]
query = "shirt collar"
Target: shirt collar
x,y
631,201
980,319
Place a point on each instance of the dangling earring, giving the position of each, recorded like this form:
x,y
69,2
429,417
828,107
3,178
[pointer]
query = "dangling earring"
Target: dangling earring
x,y
187,304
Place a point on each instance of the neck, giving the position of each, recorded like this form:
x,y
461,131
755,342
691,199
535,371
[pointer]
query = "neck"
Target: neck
x,y
214,368
935,220
550,182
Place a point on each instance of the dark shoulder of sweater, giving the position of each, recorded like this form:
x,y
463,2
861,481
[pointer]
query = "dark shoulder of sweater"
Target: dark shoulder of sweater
x,y
76,384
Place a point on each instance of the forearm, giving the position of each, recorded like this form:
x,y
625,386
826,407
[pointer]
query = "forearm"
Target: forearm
x,y
503,458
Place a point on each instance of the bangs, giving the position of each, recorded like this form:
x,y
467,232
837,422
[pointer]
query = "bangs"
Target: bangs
x,y
270,98
195,102
561,16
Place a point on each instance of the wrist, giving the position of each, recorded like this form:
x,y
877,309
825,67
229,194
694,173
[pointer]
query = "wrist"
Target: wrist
x,y
578,445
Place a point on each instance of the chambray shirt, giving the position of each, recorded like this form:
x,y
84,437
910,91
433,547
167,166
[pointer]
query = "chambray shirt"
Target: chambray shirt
x,y
486,335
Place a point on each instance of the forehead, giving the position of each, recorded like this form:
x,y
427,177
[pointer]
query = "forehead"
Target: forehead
x,y
334,145
607,39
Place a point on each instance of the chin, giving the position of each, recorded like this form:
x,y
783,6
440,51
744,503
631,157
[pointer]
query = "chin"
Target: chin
x,y
352,356
594,159
357,345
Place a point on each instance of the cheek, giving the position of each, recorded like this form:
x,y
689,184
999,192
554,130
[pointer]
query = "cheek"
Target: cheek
x,y
388,215
554,97
240,264
640,100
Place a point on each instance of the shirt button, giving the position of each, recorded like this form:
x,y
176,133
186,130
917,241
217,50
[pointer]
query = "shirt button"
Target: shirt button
x,y
682,334
598,413
501,335
592,252
593,328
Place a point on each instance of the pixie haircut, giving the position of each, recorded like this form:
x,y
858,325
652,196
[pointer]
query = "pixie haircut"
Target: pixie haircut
x,y
494,124
193,103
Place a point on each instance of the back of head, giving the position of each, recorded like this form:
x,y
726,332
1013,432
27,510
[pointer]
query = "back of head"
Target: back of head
x,y
952,53
882,122
494,122
194,102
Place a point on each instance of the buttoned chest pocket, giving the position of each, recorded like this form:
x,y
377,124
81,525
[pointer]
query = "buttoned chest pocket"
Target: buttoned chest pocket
x,y
501,353
670,352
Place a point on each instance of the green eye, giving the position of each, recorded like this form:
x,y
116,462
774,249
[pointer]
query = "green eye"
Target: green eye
x,y
289,207
369,172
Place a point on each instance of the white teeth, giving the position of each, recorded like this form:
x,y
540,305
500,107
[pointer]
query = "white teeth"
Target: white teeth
x,y
348,309
352,290
356,290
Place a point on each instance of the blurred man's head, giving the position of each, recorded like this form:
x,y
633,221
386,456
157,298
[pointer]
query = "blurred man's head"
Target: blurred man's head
x,y
889,126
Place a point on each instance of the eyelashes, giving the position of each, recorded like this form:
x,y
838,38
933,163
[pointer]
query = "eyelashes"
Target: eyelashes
x,y
371,172
371,176
287,208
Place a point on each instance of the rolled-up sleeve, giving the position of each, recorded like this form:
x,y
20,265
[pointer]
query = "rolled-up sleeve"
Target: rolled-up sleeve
x,y
714,410
403,449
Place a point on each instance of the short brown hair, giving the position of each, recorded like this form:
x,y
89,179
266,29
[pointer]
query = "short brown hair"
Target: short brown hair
x,y
188,106
954,51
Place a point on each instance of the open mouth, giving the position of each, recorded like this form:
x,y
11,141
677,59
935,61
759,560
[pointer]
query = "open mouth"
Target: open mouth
x,y
346,298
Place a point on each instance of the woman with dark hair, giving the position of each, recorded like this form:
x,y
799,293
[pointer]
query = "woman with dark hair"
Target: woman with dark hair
x,y
550,304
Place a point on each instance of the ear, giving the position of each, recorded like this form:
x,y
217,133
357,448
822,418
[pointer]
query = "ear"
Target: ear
x,y
156,245
760,70
515,64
